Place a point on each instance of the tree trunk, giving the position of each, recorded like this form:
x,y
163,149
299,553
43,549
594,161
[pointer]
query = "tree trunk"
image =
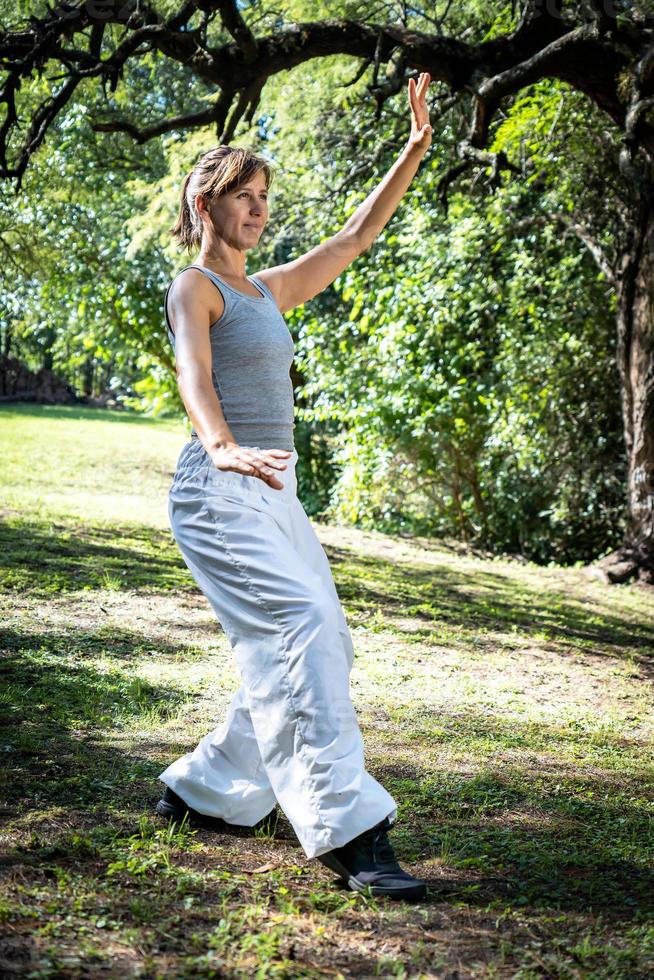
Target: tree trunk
x,y
635,557
88,375
48,340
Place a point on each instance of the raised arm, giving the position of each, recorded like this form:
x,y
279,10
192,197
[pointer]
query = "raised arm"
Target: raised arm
x,y
295,282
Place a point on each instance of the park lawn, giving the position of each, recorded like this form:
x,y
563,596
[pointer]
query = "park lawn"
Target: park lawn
x,y
507,707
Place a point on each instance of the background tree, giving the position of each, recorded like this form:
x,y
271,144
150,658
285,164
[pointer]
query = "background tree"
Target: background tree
x,y
490,54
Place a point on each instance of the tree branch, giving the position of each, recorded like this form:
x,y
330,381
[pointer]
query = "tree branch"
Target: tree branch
x,y
204,118
580,230
544,44
237,27
584,235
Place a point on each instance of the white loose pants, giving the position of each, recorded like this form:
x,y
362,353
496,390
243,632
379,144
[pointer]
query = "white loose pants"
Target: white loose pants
x,y
291,733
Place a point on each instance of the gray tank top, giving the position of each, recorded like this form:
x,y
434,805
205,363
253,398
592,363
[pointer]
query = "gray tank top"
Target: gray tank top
x,y
251,355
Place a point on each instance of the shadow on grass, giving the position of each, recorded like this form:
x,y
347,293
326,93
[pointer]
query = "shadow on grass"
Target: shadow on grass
x,y
55,710
107,641
47,557
572,841
53,707
441,595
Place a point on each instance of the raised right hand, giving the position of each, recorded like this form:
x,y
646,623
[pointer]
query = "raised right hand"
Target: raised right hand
x,y
261,463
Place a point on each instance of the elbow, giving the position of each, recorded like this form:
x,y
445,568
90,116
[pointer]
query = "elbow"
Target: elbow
x,y
362,240
350,243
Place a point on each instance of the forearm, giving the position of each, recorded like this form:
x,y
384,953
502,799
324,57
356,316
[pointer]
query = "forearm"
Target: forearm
x,y
203,407
373,214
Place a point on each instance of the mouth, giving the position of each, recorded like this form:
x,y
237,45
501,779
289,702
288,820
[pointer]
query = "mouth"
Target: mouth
x,y
256,227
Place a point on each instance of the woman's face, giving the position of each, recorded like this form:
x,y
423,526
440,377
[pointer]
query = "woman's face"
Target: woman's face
x,y
240,215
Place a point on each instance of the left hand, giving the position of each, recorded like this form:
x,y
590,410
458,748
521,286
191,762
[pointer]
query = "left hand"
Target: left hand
x,y
420,138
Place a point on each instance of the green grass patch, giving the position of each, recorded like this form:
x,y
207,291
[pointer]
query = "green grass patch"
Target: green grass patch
x,y
507,707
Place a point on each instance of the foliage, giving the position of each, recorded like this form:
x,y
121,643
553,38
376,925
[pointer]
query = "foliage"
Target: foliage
x,y
469,359
458,378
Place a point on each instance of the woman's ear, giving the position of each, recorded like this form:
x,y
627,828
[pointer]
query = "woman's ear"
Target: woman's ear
x,y
202,204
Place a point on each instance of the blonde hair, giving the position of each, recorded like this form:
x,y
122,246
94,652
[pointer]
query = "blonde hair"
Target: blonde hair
x,y
221,169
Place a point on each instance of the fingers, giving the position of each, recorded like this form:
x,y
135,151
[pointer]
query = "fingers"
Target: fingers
x,y
278,452
412,93
418,90
274,457
263,462
268,475
269,479
264,473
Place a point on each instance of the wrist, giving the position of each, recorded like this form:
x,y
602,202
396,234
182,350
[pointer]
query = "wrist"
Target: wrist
x,y
219,442
415,151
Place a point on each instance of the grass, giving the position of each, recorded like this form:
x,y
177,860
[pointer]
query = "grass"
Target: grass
x,y
506,706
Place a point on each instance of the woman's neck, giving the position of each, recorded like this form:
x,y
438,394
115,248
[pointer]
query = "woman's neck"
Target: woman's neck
x,y
231,265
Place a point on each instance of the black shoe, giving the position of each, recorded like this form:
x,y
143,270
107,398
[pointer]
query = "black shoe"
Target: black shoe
x,y
173,807
368,862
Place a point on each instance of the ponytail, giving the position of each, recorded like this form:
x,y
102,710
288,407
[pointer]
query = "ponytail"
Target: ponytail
x,y
186,229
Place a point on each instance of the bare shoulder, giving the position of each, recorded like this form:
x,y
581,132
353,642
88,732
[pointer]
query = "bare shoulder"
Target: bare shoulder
x,y
193,297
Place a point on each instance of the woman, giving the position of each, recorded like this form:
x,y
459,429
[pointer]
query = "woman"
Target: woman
x,y
291,735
